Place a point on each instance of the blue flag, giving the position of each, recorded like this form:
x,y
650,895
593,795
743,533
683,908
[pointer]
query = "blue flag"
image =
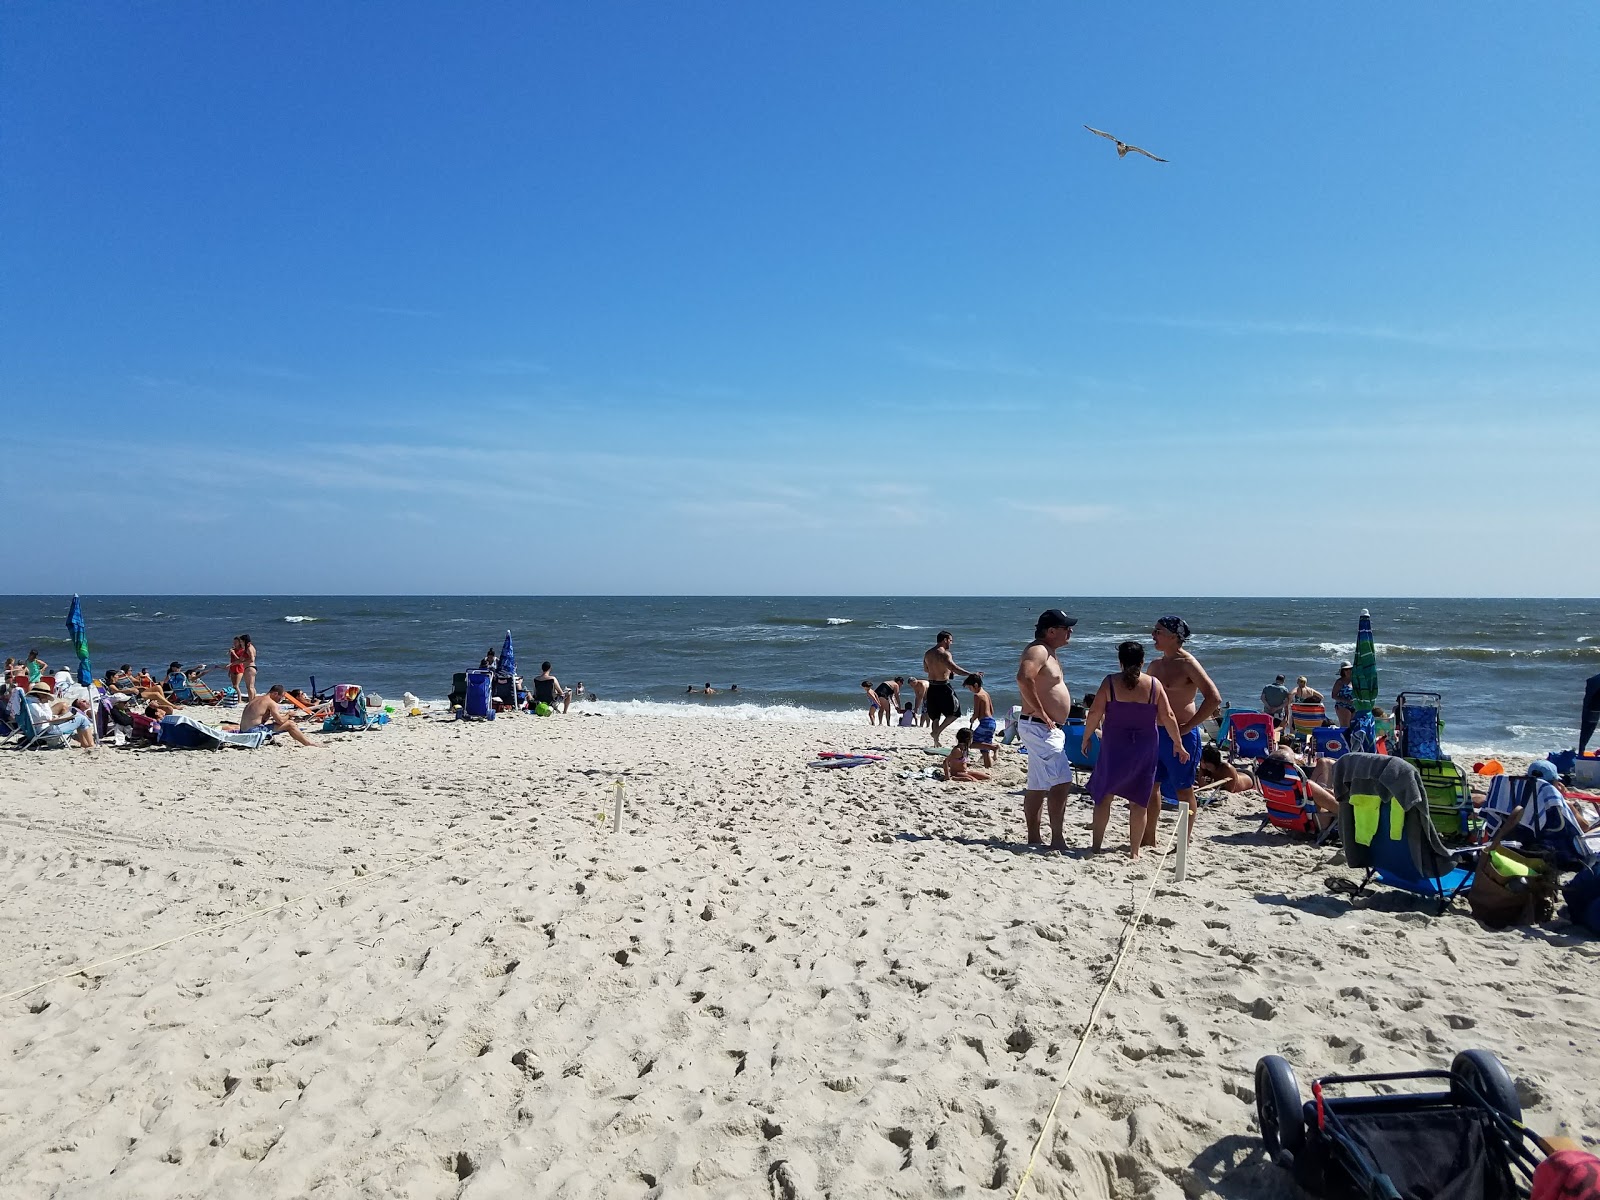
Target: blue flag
x,y
80,641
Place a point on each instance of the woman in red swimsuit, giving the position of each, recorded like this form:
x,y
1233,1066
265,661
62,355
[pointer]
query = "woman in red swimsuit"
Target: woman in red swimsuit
x,y
242,667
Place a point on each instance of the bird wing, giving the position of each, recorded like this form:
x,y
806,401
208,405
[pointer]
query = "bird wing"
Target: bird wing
x,y
1101,132
1146,153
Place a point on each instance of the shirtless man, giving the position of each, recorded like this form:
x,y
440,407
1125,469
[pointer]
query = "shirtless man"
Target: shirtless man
x,y
1045,705
982,720
940,698
919,699
1183,677
262,713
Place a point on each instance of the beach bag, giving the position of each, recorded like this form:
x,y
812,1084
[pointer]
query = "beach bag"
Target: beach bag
x,y
1582,895
1511,889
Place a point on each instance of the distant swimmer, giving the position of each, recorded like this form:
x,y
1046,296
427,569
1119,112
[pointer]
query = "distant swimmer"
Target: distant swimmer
x,y
1123,147
708,690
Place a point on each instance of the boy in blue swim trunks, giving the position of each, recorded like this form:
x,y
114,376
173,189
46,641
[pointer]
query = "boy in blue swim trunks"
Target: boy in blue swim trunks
x,y
982,719
1194,697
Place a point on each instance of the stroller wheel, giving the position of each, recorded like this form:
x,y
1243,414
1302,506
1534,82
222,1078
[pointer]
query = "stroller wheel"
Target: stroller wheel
x,y
1481,1071
1279,1109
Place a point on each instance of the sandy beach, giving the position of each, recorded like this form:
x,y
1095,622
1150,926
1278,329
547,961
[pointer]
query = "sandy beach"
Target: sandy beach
x,y
434,970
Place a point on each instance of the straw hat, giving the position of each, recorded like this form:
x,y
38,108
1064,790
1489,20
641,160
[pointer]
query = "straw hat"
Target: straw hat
x,y
43,690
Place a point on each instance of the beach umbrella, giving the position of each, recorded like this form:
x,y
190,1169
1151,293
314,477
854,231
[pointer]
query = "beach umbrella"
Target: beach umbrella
x,y
1363,734
80,642
508,660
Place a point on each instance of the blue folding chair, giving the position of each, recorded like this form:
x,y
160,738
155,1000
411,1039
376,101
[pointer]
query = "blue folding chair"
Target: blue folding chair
x,y
1075,755
1250,733
1385,827
1330,742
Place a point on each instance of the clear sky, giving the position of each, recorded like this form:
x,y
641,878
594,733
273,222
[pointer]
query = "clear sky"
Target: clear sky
x,y
806,298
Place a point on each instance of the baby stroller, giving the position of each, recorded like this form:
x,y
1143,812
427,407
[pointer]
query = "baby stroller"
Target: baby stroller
x,y
1466,1142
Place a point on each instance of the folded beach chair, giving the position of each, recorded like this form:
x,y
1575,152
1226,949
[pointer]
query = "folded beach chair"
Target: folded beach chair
x,y
1290,807
1303,718
1384,825
1330,743
185,733
1545,822
1449,799
1416,725
1250,733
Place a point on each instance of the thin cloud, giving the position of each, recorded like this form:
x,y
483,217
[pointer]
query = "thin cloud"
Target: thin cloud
x,y
974,363
1455,339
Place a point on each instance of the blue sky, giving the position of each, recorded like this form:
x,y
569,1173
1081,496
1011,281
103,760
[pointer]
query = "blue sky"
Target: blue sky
x,y
813,298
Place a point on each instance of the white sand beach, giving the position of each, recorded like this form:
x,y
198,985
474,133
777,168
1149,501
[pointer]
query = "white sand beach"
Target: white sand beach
x,y
774,981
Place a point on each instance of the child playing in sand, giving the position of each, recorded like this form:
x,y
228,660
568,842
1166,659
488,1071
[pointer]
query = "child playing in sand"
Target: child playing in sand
x,y
955,763
908,717
982,719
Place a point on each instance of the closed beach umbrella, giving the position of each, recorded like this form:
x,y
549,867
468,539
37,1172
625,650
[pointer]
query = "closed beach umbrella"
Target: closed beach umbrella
x,y
80,642
1363,734
508,660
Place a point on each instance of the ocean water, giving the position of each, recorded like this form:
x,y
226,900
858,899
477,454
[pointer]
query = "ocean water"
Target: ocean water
x,y
1511,671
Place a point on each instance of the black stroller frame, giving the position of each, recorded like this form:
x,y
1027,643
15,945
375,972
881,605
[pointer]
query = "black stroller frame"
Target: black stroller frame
x,y
1473,1128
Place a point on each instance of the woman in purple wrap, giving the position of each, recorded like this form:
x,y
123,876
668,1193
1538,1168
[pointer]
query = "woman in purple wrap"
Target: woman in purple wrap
x,y
1126,710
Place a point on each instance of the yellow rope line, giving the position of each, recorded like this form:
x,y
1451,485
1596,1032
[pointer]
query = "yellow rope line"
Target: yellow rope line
x,y
1129,935
357,881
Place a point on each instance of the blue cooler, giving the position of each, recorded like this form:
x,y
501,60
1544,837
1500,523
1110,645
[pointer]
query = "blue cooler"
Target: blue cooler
x,y
480,685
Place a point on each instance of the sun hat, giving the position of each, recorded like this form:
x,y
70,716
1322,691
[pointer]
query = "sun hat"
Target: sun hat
x,y
43,689
1345,666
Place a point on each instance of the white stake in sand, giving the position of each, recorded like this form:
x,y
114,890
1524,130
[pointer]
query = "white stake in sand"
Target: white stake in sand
x,y
1181,869
616,810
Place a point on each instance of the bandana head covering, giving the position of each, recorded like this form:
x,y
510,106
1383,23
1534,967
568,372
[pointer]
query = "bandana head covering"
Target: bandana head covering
x,y
1176,626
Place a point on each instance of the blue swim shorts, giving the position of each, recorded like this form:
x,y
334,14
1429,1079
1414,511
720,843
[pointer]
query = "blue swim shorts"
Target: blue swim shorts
x,y
983,732
1172,775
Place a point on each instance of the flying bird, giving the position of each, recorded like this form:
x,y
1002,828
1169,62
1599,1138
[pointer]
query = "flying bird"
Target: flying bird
x,y
1122,146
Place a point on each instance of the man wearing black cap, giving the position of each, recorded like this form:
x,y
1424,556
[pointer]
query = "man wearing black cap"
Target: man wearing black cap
x,y
1046,704
1186,682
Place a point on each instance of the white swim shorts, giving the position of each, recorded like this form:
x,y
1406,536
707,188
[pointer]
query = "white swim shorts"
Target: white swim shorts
x,y
1048,765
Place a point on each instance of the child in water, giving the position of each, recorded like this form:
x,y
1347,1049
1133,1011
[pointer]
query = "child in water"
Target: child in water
x,y
955,763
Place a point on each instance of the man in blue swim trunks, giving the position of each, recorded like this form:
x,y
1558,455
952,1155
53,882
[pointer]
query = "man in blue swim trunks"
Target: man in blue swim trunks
x,y
1194,697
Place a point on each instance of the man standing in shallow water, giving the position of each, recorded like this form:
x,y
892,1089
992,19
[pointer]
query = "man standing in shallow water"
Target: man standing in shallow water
x,y
1046,705
1184,679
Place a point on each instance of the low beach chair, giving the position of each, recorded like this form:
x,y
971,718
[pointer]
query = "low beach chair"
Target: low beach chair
x,y
203,693
1449,799
1080,761
1304,718
1250,733
1416,725
1537,817
1384,825
43,736
1290,807
1330,743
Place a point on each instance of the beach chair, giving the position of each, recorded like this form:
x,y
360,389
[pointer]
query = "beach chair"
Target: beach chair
x,y
1304,718
1449,799
1384,825
43,736
1330,743
1290,807
1416,725
1075,755
1540,820
350,710
477,704
203,693
458,689
181,689
1250,733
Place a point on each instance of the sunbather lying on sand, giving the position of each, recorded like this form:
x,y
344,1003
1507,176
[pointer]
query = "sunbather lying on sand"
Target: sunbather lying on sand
x,y
1217,772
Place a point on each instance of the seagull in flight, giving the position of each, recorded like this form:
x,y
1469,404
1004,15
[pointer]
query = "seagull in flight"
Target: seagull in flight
x,y
1122,146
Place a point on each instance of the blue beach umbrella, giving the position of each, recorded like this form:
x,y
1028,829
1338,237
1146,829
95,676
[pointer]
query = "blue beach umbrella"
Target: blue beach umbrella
x,y
80,641
1363,732
508,660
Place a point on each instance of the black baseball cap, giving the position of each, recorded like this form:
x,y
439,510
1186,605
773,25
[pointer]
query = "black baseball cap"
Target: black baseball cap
x,y
1054,618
